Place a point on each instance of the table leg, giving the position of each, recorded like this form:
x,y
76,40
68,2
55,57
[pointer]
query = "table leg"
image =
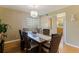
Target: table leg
x,y
39,48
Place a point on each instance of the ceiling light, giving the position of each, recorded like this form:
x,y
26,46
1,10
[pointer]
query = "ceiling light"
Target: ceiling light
x,y
34,14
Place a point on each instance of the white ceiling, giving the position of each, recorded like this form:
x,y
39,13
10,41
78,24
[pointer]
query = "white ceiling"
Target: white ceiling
x,y
42,9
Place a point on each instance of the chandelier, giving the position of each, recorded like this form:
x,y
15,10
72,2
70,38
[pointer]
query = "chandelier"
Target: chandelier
x,y
34,13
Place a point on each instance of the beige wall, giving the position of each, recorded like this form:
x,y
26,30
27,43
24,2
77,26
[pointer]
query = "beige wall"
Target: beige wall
x,y
14,19
44,22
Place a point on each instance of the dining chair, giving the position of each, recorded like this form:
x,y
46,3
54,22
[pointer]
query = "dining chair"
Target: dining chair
x,y
54,44
1,46
28,44
22,43
46,31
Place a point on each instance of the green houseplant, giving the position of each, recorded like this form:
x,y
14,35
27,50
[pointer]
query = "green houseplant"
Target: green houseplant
x,y
3,29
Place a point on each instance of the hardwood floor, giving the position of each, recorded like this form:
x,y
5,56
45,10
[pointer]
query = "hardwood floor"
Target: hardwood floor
x,y
69,49
14,47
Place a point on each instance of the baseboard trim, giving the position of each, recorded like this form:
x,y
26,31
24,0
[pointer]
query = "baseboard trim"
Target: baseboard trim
x,y
71,45
19,40
11,41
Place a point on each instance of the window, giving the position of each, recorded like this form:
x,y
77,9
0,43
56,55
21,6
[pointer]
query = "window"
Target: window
x,y
31,23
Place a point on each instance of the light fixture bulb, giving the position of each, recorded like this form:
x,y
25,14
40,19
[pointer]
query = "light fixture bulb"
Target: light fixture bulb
x,y
34,13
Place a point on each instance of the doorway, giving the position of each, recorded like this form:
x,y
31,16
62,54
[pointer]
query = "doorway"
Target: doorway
x,y
61,27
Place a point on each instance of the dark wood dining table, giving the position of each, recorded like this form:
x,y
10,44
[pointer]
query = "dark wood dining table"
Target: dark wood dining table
x,y
39,38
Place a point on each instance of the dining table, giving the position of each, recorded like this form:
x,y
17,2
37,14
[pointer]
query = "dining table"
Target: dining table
x,y
39,38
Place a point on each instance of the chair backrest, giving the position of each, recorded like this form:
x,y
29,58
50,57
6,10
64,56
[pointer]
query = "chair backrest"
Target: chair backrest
x,y
20,32
54,43
46,31
25,29
26,40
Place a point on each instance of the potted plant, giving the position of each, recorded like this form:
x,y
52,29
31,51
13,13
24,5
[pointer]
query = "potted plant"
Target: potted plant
x,y
3,30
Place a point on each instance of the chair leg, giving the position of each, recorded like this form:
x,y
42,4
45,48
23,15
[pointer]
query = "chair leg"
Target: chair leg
x,y
58,51
2,48
26,50
22,45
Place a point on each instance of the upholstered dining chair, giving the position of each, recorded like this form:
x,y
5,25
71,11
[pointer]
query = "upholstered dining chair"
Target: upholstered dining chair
x,y
28,44
46,31
22,43
54,44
